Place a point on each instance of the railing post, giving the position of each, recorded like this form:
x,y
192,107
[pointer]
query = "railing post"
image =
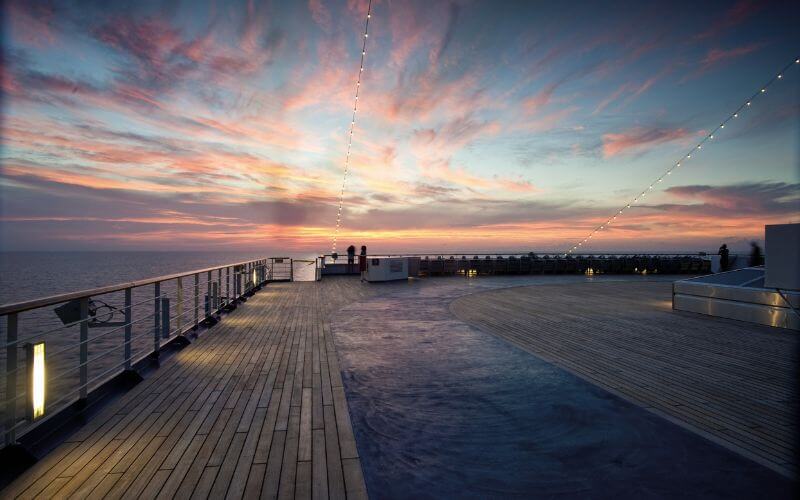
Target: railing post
x,y
236,284
179,306
11,378
218,293
291,270
196,301
157,318
228,285
128,327
208,294
84,349
215,295
165,318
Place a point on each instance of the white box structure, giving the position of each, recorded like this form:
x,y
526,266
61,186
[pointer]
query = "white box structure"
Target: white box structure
x,y
782,250
386,269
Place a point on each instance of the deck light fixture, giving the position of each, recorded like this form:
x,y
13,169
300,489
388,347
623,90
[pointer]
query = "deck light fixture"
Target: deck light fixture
x,y
36,380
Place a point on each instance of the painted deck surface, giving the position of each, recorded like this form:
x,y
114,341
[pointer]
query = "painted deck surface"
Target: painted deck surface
x,y
253,408
731,381
256,407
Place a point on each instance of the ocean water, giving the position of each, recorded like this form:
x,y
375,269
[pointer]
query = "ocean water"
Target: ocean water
x,y
29,275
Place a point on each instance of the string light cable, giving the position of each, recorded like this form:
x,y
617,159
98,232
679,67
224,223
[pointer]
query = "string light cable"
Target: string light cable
x,y
688,156
352,127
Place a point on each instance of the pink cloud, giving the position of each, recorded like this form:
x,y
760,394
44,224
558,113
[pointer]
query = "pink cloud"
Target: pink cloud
x,y
638,138
736,15
716,56
320,14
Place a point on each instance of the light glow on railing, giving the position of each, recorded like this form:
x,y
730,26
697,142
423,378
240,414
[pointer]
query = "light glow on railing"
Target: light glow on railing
x,y
36,380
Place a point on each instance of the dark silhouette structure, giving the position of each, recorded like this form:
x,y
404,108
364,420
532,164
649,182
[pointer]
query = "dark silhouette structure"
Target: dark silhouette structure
x,y
362,261
351,259
723,257
756,258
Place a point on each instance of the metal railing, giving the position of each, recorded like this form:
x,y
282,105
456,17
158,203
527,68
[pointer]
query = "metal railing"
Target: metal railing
x,y
150,313
474,264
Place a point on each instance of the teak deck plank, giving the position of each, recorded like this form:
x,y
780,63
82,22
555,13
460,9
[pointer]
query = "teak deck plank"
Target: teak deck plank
x,y
731,381
237,414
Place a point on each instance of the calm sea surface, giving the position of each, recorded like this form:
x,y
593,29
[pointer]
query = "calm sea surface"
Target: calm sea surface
x,y
28,275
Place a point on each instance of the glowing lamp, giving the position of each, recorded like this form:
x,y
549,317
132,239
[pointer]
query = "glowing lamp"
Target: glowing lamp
x,y
36,380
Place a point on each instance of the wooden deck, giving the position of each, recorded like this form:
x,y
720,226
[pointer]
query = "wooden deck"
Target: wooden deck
x,y
254,408
733,382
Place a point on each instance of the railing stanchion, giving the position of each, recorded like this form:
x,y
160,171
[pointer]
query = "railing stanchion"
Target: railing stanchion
x,y
215,295
84,350
228,285
208,294
165,317
196,301
128,327
157,316
11,377
179,306
218,293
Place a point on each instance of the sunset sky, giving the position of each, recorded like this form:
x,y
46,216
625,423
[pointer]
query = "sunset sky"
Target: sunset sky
x,y
481,125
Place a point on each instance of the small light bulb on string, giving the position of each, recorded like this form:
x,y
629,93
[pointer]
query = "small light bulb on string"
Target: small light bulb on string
x,y
688,156
352,127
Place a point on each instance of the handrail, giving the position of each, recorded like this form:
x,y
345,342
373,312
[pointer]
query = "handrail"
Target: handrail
x,y
539,255
17,307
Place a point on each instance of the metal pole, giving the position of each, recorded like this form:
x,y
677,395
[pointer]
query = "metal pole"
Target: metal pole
x,y
237,285
128,327
157,316
11,377
179,306
165,317
84,350
228,285
218,293
215,295
291,270
208,295
196,300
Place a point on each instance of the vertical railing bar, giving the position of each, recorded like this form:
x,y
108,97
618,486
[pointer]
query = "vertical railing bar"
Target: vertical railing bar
x,y
84,348
179,305
157,316
208,294
165,317
227,285
12,326
196,301
128,327
218,294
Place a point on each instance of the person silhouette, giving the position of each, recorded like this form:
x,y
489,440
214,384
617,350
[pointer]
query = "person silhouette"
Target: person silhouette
x,y
362,261
351,259
755,254
723,257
